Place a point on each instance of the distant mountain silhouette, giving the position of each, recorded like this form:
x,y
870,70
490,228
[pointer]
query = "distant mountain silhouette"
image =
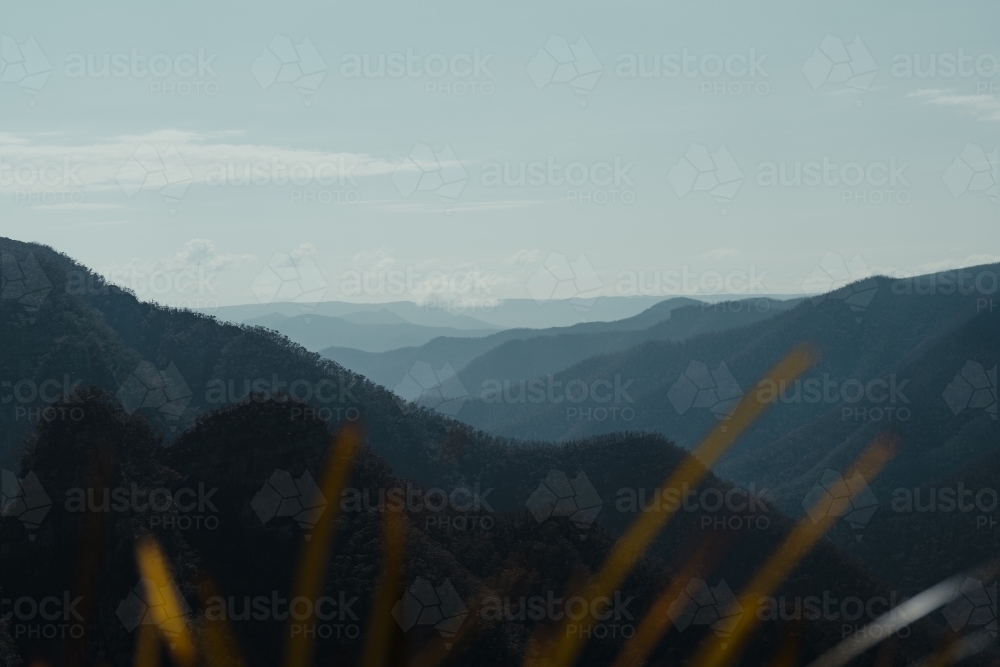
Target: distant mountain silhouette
x,y
569,344
917,362
108,393
315,332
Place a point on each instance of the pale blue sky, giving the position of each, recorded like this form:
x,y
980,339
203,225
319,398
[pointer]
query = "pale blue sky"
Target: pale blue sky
x,y
371,216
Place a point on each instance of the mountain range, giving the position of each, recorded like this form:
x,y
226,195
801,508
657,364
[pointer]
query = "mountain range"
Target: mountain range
x,y
102,392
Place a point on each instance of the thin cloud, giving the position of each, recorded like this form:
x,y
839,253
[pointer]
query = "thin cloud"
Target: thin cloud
x,y
78,206
721,253
984,107
95,166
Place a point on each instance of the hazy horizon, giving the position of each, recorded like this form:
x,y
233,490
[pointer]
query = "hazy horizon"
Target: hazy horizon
x,y
452,150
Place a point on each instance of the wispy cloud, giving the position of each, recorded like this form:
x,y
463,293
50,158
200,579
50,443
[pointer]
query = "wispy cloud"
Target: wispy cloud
x,y
77,206
438,207
984,107
721,253
198,257
32,161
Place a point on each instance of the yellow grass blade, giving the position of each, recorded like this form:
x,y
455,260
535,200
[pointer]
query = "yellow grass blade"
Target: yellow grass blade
x,y
564,647
169,617
377,646
316,549
796,545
